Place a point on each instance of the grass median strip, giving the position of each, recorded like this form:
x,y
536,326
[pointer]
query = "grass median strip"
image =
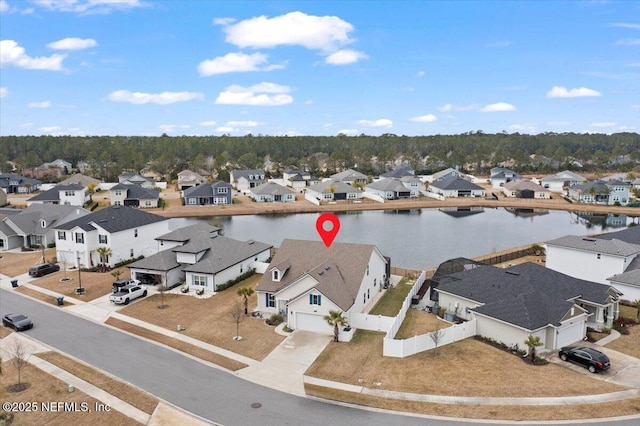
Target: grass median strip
x,y
40,296
188,348
131,395
493,412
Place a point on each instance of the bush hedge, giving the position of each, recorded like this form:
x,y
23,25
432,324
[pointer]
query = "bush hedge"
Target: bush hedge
x,y
241,278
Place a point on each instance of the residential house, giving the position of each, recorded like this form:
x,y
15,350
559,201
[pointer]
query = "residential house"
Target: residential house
x,y
271,192
189,179
444,174
499,176
399,171
454,186
81,179
612,259
561,180
331,190
298,179
208,194
601,192
128,232
54,169
636,183
34,226
394,189
134,196
351,177
198,256
12,183
72,194
511,304
131,178
305,280
244,180
525,189
3,199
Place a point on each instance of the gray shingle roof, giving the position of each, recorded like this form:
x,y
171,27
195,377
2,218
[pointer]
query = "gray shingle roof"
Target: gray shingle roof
x,y
563,176
162,261
54,193
612,246
347,264
29,219
80,179
455,183
135,192
221,253
519,185
206,189
113,219
526,295
389,184
255,174
340,187
630,235
631,277
190,232
399,171
349,175
271,188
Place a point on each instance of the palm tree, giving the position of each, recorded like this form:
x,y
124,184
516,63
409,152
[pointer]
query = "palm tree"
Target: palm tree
x,y
336,320
533,342
104,253
636,304
245,292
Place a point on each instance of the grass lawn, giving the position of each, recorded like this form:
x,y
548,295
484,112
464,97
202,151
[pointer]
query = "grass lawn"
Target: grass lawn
x,y
629,312
46,388
493,412
390,303
418,322
210,319
139,399
95,284
40,296
198,352
628,344
14,264
466,368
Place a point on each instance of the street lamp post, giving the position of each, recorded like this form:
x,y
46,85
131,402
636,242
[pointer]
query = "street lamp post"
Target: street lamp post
x,y
79,290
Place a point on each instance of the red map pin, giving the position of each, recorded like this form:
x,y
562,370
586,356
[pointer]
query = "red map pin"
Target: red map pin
x,y
328,235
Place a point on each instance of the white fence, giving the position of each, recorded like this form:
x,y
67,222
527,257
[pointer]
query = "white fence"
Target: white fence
x,y
311,199
373,197
371,322
432,195
260,267
424,342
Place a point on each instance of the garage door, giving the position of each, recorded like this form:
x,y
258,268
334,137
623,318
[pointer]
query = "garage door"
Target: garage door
x,y
570,333
312,322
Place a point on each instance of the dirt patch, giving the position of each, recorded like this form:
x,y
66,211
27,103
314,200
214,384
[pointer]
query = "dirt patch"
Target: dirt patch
x,y
4,332
45,389
95,284
188,348
14,264
210,319
139,399
493,412
465,368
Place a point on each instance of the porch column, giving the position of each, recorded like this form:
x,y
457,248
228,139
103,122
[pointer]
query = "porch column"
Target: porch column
x,y
599,316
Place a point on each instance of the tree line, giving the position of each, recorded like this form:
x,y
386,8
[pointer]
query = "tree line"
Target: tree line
x,y
108,156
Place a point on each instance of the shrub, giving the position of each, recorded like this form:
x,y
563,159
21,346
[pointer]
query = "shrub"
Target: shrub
x,y
126,262
241,278
275,319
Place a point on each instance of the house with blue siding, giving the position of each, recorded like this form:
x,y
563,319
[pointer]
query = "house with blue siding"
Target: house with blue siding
x,y
601,192
208,194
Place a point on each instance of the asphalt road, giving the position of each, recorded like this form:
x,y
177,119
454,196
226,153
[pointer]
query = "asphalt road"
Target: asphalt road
x,y
206,391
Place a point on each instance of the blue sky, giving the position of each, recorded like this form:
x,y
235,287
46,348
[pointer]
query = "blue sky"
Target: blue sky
x,y
143,67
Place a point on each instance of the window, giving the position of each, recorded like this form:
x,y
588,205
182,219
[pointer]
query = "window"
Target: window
x,y
62,235
367,270
131,253
69,193
375,281
135,233
275,275
191,201
79,238
364,297
223,190
117,203
102,239
599,256
118,192
270,301
368,294
315,299
43,223
199,280
241,266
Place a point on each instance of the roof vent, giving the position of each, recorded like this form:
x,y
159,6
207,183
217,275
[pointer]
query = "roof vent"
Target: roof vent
x,y
513,273
591,240
103,220
250,242
321,272
326,268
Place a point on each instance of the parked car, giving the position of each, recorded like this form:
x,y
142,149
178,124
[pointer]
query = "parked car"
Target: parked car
x,y
127,294
592,359
18,322
123,282
42,269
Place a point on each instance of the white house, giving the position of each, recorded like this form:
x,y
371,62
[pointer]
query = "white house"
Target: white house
x,y
128,232
273,193
244,180
298,179
454,186
72,194
394,188
525,189
499,176
331,190
558,182
134,196
198,256
443,174
189,179
350,177
305,280
528,299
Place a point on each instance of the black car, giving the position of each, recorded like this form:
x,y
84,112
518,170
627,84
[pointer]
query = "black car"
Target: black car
x,y
42,269
18,322
592,359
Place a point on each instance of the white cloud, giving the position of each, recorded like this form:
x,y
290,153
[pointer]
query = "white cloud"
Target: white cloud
x,y
43,104
3,92
451,107
171,128
72,43
498,107
237,126
224,129
382,122
626,25
325,33
604,124
25,125
345,57
236,62
50,129
562,92
13,54
348,132
243,123
628,42
163,98
421,73
308,102
208,123
223,21
527,128
262,94
4,6
429,118
89,6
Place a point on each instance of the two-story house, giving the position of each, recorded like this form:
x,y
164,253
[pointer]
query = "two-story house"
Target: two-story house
x,y
244,180
134,196
601,192
72,194
12,183
561,180
189,179
351,177
499,176
208,194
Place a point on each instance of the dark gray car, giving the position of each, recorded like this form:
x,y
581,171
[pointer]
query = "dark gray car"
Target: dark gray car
x,y
18,322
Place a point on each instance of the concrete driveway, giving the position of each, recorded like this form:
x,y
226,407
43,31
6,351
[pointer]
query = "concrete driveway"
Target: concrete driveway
x,y
285,366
